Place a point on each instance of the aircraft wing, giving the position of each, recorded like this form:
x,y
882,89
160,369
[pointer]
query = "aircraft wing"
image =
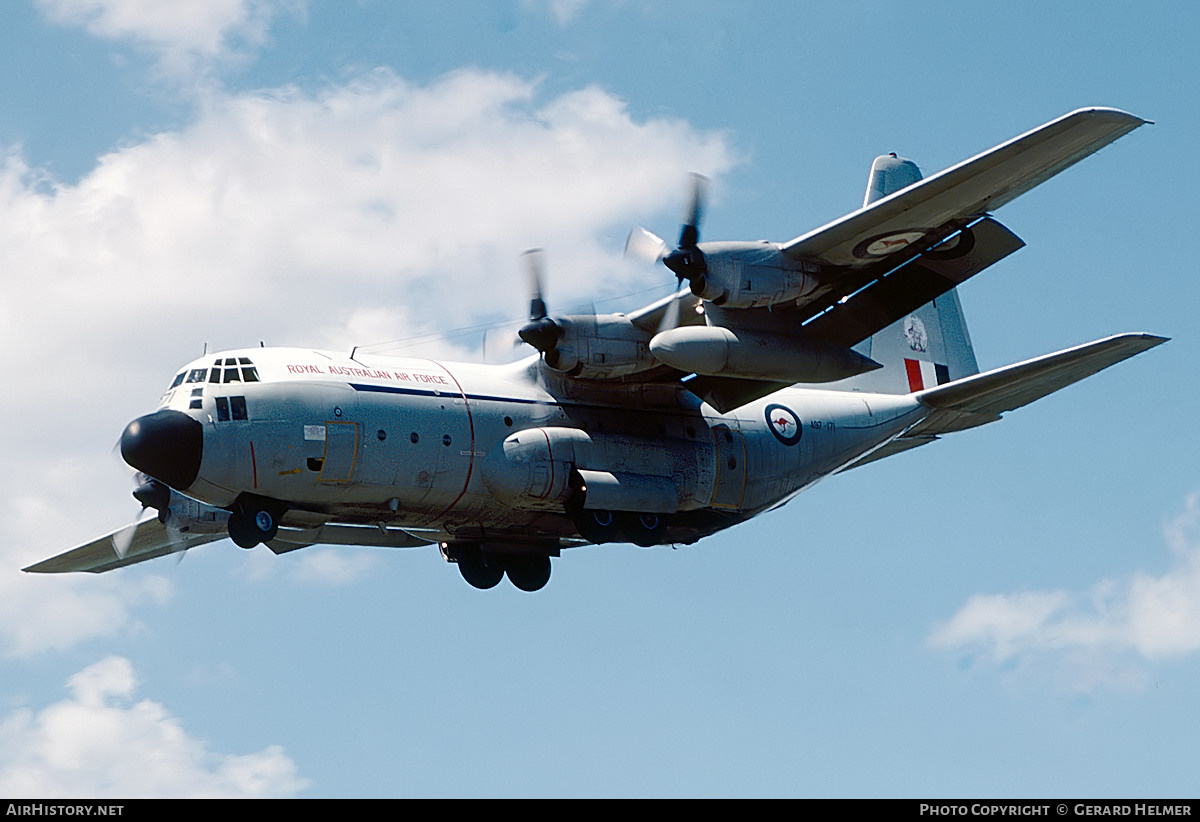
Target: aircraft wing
x,y
932,209
884,261
151,539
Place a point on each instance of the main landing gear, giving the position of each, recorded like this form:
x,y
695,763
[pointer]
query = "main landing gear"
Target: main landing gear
x,y
485,569
600,527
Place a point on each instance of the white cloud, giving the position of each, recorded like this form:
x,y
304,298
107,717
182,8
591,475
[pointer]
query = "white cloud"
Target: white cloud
x,y
564,11
334,566
1103,635
185,36
103,742
375,210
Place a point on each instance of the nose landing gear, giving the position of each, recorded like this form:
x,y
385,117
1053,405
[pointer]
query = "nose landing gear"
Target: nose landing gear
x,y
254,521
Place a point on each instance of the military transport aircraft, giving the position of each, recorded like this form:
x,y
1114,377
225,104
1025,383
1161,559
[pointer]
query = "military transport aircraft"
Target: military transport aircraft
x,y
778,365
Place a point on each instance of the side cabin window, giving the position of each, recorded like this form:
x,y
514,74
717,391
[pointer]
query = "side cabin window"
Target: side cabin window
x,y
231,408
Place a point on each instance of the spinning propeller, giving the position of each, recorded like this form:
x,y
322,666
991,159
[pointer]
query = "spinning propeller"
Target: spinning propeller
x,y
541,331
151,494
686,261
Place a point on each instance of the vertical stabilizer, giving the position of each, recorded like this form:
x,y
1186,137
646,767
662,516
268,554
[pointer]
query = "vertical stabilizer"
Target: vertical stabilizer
x,y
889,174
930,346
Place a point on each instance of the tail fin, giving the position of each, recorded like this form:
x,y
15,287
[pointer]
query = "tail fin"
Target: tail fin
x,y
889,174
931,345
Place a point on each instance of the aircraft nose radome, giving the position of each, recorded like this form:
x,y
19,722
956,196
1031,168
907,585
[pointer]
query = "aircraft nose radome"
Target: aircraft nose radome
x,y
167,445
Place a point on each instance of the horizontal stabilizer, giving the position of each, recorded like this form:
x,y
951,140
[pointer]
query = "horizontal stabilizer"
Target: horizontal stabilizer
x,y
1003,389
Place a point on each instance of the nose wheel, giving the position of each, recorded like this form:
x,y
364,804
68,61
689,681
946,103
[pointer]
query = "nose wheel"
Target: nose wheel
x,y
252,523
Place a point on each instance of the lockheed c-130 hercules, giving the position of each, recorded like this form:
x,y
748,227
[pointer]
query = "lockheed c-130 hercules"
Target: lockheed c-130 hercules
x,y
778,365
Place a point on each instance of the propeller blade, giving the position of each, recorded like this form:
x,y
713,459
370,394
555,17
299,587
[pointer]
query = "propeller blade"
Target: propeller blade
x,y
670,318
534,265
689,233
178,546
645,245
541,332
122,539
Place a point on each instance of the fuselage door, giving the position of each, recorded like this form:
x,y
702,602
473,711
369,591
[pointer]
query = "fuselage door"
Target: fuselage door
x,y
341,450
729,485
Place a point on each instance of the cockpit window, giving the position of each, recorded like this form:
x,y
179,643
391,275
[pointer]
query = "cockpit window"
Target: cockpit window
x,y
235,370
178,379
197,375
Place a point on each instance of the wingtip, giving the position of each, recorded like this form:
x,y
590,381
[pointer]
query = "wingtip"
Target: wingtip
x,y
1154,339
1109,111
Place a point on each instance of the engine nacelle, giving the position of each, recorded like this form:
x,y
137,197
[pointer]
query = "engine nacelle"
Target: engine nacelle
x,y
187,516
757,355
177,512
602,346
753,275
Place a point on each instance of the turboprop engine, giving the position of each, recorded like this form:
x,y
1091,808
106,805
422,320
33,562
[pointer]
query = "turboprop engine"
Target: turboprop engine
x,y
750,275
600,346
730,274
590,346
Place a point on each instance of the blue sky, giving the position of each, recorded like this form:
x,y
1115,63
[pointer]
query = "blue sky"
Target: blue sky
x,y
1014,611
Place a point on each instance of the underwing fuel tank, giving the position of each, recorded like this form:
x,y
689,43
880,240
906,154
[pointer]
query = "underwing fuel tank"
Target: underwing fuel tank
x,y
719,352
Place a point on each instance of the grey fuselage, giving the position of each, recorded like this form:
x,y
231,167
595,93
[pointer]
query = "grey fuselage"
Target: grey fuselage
x,y
471,452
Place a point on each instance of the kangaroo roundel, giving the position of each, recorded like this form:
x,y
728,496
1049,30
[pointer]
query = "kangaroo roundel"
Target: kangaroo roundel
x,y
784,424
